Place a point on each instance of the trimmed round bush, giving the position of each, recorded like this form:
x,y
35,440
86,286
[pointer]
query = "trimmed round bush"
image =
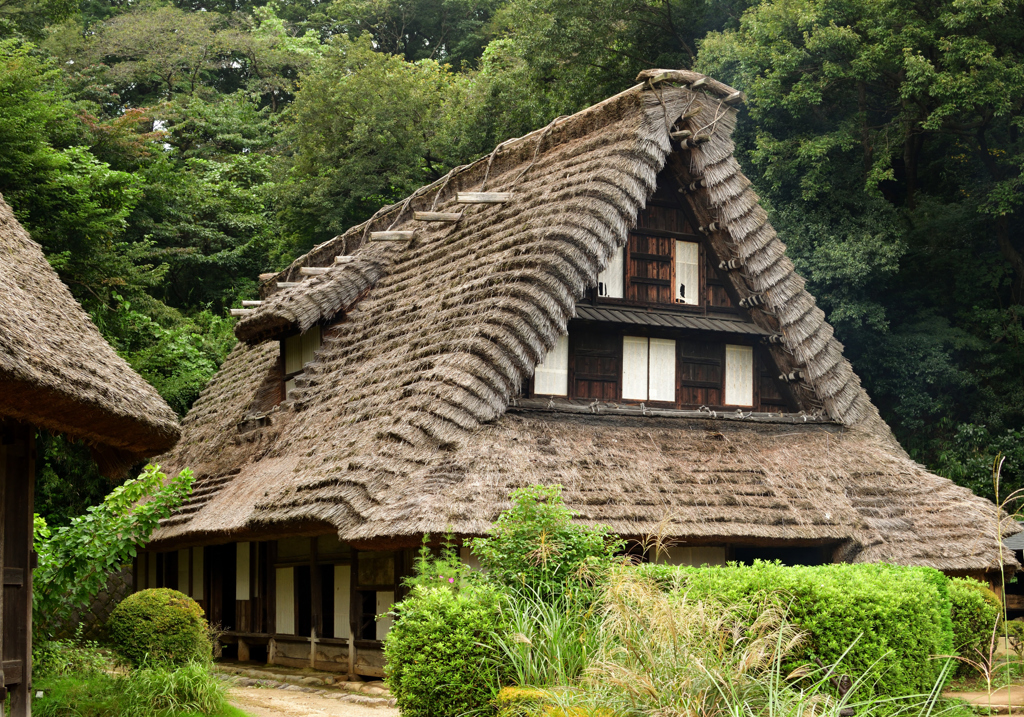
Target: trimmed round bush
x,y
439,662
159,627
976,611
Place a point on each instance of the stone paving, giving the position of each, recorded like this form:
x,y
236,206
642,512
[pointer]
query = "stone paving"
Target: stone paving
x,y
325,684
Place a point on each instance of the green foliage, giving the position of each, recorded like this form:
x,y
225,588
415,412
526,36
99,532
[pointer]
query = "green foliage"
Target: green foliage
x,y
63,658
184,692
885,136
536,544
369,129
547,641
973,451
976,612
75,560
875,619
160,627
438,651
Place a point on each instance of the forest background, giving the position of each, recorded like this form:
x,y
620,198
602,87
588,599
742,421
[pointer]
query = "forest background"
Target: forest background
x,y
166,153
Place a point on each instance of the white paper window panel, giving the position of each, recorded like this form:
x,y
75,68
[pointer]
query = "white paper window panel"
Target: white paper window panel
x,y
342,600
662,371
151,570
300,349
634,367
197,573
687,272
289,386
183,572
285,607
739,375
696,557
385,599
241,571
610,281
552,376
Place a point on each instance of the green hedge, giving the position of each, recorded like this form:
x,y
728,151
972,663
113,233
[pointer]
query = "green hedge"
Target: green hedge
x,y
898,617
438,663
976,610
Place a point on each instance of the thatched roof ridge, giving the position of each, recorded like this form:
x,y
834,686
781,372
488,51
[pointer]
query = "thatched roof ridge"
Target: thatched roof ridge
x,y
57,371
392,426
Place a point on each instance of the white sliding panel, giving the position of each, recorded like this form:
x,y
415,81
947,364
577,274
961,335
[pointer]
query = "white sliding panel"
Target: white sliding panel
x,y
342,600
662,370
197,573
183,572
634,367
310,344
552,376
687,272
610,281
285,608
242,571
385,599
739,375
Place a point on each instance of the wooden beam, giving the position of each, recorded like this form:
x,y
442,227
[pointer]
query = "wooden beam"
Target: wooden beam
x,y
288,284
483,197
392,236
313,270
344,259
241,312
699,83
437,216
735,98
681,135
268,276
252,303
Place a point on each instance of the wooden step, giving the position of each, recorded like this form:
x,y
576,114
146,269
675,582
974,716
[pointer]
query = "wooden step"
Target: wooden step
x,y
392,236
437,216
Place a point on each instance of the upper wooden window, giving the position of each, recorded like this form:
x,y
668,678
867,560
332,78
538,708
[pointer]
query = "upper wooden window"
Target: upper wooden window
x,y
298,351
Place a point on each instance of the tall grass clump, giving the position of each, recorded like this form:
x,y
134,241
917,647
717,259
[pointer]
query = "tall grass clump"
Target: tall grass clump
x,y
188,688
547,642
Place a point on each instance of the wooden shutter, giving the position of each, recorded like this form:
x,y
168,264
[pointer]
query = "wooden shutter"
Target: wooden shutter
x,y
700,373
768,394
650,269
596,358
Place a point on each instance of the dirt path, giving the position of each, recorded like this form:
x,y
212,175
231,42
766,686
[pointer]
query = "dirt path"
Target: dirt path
x,y
286,703
1002,701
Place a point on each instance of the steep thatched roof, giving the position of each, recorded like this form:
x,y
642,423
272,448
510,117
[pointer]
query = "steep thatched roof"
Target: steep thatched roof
x,y
401,424
57,372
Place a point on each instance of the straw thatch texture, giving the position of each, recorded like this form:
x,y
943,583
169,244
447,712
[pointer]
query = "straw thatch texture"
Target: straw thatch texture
x,y
57,372
399,424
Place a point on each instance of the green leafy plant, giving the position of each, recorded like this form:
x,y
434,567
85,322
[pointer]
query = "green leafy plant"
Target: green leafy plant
x,y
75,560
438,651
975,612
535,543
60,658
159,627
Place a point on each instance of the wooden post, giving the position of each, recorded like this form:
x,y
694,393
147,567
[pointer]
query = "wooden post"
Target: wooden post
x,y
17,575
271,651
353,616
3,530
315,597
243,650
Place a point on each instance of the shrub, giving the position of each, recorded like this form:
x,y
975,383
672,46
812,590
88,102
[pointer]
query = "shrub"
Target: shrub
x,y
60,658
896,619
159,627
975,613
536,544
438,653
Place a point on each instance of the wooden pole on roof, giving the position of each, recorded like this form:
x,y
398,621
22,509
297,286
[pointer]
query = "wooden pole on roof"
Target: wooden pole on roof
x,y
437,216
483,197
313,270
392,236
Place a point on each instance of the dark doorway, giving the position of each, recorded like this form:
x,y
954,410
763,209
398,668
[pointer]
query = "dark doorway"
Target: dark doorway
x,y
327,600
813,555
303,601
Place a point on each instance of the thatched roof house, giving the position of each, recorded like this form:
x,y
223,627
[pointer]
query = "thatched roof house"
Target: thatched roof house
x,y
56,373
602,304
